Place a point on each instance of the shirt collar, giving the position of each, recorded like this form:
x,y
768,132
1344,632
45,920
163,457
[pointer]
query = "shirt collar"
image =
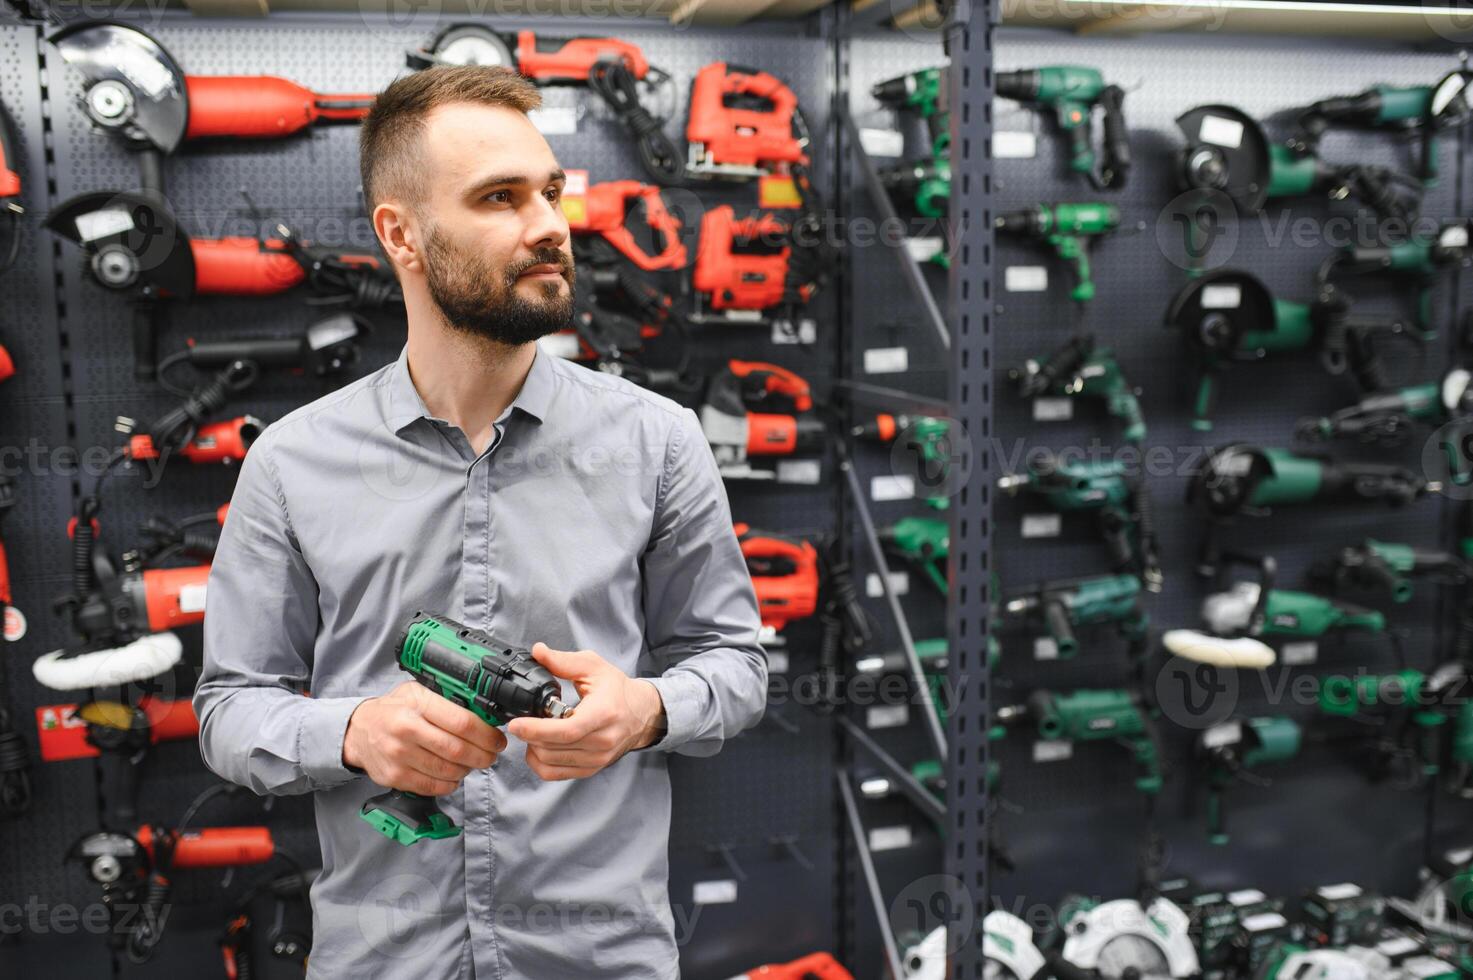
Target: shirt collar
x,y
407,407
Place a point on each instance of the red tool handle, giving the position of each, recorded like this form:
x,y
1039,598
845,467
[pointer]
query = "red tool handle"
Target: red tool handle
x,y
262,106
241,267
215,847
218,442
771,435
9,177
572,59
174,596
814,966
169,721
775,379
604,212
5,595
7,366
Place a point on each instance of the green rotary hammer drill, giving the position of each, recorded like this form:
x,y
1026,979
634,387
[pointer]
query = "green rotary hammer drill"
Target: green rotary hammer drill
x,y
1071,93
1234,750
466,666
1080,369
1064,605
1069,230
924,542
1121,502
1095,715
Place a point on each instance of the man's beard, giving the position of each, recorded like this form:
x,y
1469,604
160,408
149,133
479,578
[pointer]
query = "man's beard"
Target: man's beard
x,y
478,299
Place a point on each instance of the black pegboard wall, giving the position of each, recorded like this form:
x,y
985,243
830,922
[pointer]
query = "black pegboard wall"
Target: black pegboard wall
x,y
765,802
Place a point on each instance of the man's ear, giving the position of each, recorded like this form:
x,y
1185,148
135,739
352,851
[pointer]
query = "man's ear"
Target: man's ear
x,y
399,235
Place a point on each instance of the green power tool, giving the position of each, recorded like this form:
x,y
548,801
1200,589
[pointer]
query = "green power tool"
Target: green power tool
x,y
922,186
931,439
1423,722
1228,151
1068,229
1095,715
1062,606
1240,479
1388,568
1233,751
1072,92
1426,109
1228,316
924,542
1418,261
1105,488
1079,369
466,666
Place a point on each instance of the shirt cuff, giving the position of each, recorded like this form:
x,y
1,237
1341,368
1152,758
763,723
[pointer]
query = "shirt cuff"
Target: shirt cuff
x,y
320,740
682,696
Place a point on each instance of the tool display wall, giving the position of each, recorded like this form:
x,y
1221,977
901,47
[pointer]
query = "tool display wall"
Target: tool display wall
x,y
754,841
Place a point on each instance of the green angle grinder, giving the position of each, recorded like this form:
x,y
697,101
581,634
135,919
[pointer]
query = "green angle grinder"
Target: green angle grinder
x,y
492,680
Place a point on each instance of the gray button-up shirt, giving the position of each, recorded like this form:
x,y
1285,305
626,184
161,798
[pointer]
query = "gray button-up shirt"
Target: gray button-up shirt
x,y
596,520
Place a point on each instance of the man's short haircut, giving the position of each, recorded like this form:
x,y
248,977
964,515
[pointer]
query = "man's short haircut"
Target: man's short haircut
x,y
389,146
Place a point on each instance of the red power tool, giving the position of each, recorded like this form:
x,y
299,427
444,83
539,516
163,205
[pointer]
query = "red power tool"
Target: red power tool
x,y
121,734
784,574
814,966
748,272
134,869
134,244
9,191
603,209
134,87
736,433
617,71
743,124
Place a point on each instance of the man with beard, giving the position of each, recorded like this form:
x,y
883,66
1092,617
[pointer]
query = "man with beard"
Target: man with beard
x,y
480,478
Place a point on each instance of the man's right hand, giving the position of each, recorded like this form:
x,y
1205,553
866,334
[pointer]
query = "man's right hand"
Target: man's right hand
x,y
414,740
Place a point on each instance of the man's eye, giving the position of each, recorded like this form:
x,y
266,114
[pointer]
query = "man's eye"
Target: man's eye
x,y
553,193
500,197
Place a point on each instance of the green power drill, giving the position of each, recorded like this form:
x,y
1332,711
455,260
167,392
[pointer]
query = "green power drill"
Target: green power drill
x,y
1104,487
1094,715
1062,606
924,542
929,436
1068,229
1233,750
1079,369
1389,418
1072,92
467,667
921,186
922,92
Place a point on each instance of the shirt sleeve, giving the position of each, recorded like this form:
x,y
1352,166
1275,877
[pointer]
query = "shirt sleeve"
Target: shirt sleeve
x,y
701,619
257,728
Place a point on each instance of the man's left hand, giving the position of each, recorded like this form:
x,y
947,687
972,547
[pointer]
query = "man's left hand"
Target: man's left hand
x,y
615,714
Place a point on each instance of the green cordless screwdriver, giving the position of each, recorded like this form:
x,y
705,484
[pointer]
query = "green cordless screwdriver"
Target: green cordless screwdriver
x,y
466,666
1068,229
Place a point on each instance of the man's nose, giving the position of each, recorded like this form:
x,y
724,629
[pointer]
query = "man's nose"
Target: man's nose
x,y
547,225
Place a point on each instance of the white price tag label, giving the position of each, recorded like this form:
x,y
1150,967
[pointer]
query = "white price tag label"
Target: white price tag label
x,y
1264,921
882,488
924,249
1454,236
882,142
192,599
777,661
714,892
1222,296
1042,525
1397,946
563,345
1336,893
886,360
875,589
1025,279
1298,654
1221,131
1046,750
1013,145
1228,733
576,184
1246,896
102,224
887,716
1044,648
1053,409
889,838
804,471
555,120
